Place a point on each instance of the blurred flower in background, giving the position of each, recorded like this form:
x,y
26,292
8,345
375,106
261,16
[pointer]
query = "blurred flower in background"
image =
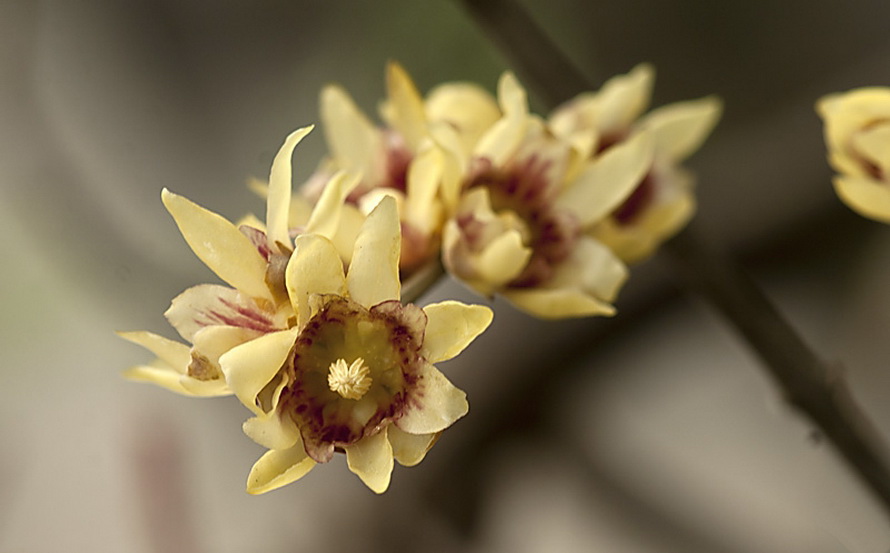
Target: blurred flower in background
x,y
857,134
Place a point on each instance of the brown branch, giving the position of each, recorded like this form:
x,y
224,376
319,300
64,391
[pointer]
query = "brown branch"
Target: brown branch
x,y
810,385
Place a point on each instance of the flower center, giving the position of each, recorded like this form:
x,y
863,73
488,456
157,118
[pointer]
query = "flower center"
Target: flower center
x,y
350,381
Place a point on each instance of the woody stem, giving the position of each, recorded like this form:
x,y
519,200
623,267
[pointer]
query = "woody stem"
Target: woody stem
x,y
809,384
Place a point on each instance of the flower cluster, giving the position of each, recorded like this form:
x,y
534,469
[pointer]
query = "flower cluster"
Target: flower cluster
x,y
544,212
327,359
311,335
857,134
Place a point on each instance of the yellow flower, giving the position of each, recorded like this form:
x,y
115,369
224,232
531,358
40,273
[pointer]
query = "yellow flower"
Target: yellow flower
x,y
355,373
526,200
663,200
400,159
857,134
215,318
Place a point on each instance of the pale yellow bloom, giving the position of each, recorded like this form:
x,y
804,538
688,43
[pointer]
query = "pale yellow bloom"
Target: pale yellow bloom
x,y
355,372
215,318
857,134
400,159
524,201
663,200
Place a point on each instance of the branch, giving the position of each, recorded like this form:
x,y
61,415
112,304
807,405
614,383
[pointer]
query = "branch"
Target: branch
x,y
810,385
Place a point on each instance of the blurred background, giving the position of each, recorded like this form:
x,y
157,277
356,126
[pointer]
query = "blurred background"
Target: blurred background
x,y
653,431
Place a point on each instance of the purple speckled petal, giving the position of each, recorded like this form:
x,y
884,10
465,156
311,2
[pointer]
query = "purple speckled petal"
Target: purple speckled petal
x,y
212,304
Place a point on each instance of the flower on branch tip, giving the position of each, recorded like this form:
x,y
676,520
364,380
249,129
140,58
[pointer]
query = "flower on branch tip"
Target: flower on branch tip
x,y
663,200
355,373
857,135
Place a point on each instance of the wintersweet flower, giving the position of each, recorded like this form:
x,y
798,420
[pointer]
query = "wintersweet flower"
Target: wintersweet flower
x,y
355,372
400,159
526,200
663,200
857,134
214,318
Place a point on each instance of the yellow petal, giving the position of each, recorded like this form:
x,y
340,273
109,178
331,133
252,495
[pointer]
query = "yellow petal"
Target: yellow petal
x,y
424,175
211,304
159,374
220,245
558,303
174,354
371,460
205,388
467,108
680,129
273,431
325,218
505,136
849,112
313,268
454,164
352,139
250,366
503,259
450,328
278,467
373,275
623,98
608,180
405,106
410,449
874,144
279,198
866,196
591,267
440,406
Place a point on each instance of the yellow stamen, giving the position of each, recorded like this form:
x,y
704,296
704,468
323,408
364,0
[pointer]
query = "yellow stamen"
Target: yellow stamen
x,y
350,381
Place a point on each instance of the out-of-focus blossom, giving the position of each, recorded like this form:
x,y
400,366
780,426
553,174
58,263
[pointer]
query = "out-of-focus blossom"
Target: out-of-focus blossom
x,y
663,200
354,372
399,159
525,200
214,318
857,134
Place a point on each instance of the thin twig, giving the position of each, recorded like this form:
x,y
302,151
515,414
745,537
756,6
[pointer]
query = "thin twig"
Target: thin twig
x,y
809,383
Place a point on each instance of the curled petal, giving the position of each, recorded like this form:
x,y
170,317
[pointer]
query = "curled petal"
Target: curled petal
x,y
373,275
279,198
352,138
608,180
314,268
450,328
371,459
680,129
210,304
868,197
558,303
160,374
410,449
437,405
464,107
172,353
405,107
277,468
591,267
248,368
874,144
623,98
505,136
273,430
325,218
219,244
424,175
